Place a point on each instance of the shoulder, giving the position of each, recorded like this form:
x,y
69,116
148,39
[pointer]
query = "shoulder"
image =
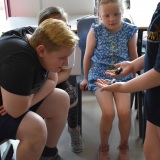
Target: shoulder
x,y
129,26
18,48
20,32
129,29
97,26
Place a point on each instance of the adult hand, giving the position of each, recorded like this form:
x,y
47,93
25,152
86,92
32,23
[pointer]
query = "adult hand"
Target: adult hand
x,y
2,111
126,66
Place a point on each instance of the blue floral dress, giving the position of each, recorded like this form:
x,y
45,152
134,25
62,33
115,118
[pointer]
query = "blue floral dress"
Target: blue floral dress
x,y
111,48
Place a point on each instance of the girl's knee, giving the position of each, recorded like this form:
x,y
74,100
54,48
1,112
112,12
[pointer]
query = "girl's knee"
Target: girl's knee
x,y
124,114
108,116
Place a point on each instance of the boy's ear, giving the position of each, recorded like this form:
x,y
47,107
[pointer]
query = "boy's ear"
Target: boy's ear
x,y
41,50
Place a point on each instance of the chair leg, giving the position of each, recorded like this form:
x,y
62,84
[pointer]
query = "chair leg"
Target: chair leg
x,y
144,123
140,113
136,101
79,107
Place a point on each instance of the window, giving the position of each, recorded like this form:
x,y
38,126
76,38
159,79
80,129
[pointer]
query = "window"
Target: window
x,y
2,16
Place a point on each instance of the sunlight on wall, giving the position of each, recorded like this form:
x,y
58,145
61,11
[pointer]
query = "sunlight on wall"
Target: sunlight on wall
x,y
2,16
142,11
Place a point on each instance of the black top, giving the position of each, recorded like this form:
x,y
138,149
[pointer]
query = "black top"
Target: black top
x,y
152,60
20,70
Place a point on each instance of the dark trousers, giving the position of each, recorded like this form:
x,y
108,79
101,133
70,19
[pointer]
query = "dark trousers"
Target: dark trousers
x,y
73,111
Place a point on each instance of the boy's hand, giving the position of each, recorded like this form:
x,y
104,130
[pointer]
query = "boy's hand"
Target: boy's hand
x,y
2,111
107,85
124,67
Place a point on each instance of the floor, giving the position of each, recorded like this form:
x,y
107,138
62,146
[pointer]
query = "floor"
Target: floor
x,y
90,132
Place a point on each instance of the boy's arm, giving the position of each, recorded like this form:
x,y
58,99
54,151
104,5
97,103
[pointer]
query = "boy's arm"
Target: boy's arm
x,y
16,105
63,75
145,81
127,67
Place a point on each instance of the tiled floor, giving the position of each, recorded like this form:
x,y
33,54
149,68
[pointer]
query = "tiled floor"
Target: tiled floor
x,y
90,132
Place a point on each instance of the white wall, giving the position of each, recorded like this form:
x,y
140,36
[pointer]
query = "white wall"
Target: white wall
x,y
25,8
72,6
142,11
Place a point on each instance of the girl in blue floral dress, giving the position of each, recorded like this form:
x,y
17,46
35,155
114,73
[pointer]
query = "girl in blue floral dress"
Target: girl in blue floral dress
x,y
110,42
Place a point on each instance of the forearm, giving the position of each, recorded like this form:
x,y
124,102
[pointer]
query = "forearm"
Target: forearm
x,y
138,64
63,75
145,81
46,89
15,105
87,66
53,76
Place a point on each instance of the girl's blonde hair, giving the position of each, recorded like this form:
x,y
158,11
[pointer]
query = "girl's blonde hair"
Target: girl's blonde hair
x,y
53,34
120,3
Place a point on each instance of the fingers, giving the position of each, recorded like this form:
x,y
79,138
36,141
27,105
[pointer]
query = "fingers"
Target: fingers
x,y
117,65
83,87
114,73
2,111
86,87
106,85
102,83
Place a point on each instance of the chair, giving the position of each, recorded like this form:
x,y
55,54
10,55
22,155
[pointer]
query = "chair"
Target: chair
x,y
83,26
8,152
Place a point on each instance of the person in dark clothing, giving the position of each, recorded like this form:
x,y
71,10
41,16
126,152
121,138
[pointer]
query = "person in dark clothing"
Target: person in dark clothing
x,y
31,108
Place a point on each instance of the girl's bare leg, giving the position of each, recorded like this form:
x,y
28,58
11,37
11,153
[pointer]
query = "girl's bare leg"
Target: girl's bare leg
x,y
124,114
105,100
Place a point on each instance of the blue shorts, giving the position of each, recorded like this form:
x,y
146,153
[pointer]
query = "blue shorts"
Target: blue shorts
x,y
9,125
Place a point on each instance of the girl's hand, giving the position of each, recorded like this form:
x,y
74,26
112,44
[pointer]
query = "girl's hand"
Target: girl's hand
x,y
84,85
2,111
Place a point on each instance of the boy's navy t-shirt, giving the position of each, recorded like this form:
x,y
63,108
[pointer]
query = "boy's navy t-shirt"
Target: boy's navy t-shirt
x,y
152,60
